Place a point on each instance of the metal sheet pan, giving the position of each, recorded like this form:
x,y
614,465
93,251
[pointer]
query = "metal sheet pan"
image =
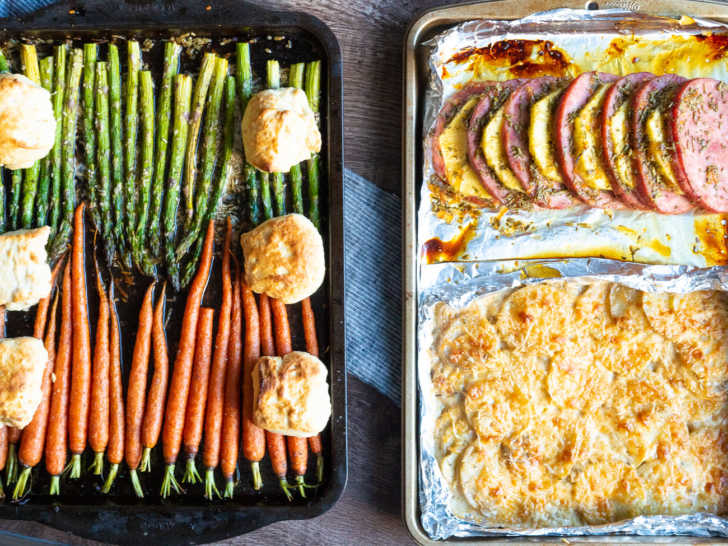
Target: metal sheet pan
x,y
423,28
190,519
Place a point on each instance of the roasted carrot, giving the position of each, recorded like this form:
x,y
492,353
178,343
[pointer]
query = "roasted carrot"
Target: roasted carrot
x,y
115,448
41,312
216,383
56,433
197,399
180,384
3,454
34,435
309,334
276,443
154,411
297,447
136,390
230,434
98,426
253,436
81,371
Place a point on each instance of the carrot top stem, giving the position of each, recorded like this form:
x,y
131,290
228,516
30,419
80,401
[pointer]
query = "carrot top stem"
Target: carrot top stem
x,y
229,488
11,467
169,482
210,487
23,484
113,470
97,467
74,466
55,488
319,468
135,483
257,478
191,475
146,464
286,488
301,486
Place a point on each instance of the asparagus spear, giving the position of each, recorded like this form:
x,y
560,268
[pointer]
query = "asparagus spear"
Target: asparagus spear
x,y
3,68
244,74
279,186
16,190
29,59
59,92
295,79
198,104
89,134
223,175
313,91
210,133
103,159
171,67
145,177
44,182
117,157
131,122
70,121
180,130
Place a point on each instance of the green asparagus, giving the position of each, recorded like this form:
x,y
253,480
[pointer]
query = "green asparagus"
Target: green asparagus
x,y
44,181
313,92
223,174
164,114
103,159
244,75
279,186
117,154
180,130
16,190
89,134
131,122
31,69
295,79
4,66
68,146
198,104
147,168
2,202
210,132
59,92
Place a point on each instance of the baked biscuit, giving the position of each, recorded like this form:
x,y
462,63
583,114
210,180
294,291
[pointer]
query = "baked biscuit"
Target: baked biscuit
x,y
23,361
25,276
284,258
291,395
279,130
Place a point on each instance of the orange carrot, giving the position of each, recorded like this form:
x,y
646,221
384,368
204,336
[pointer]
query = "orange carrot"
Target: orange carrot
x,y
180,384
55,445
197,399
32,441
115,447
253,436
136,390
276,443
41,312
230,434
154,412
309,333
216,384
81,373
297,447
98,427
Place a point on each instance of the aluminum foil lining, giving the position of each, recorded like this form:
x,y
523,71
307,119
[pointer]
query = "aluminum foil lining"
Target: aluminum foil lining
x,y
495,259
586,40
460,284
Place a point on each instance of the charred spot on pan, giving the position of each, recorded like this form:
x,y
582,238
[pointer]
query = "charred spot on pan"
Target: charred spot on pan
x,y
524,58
436,250
718,44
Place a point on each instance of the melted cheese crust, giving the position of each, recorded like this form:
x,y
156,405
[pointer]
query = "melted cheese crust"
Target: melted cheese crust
x,y
566,404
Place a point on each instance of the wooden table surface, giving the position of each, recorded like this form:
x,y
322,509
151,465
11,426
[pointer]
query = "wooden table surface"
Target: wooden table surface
x,y
371,35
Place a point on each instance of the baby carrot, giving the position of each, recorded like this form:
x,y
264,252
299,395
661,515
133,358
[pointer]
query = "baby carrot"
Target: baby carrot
x,y
309,334
98,427
253,436
115,448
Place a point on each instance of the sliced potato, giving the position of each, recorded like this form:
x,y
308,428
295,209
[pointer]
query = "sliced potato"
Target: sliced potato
x,y
494,153
589,165
657,144
540,136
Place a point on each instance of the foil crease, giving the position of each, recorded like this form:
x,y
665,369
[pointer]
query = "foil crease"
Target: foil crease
x,y
495,261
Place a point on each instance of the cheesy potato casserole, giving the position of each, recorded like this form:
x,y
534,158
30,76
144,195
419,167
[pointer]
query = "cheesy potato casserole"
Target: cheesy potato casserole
x,y
565,404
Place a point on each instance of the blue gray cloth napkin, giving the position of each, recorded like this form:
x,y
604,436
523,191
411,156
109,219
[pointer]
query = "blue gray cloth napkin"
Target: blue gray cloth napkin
x,y
372,266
